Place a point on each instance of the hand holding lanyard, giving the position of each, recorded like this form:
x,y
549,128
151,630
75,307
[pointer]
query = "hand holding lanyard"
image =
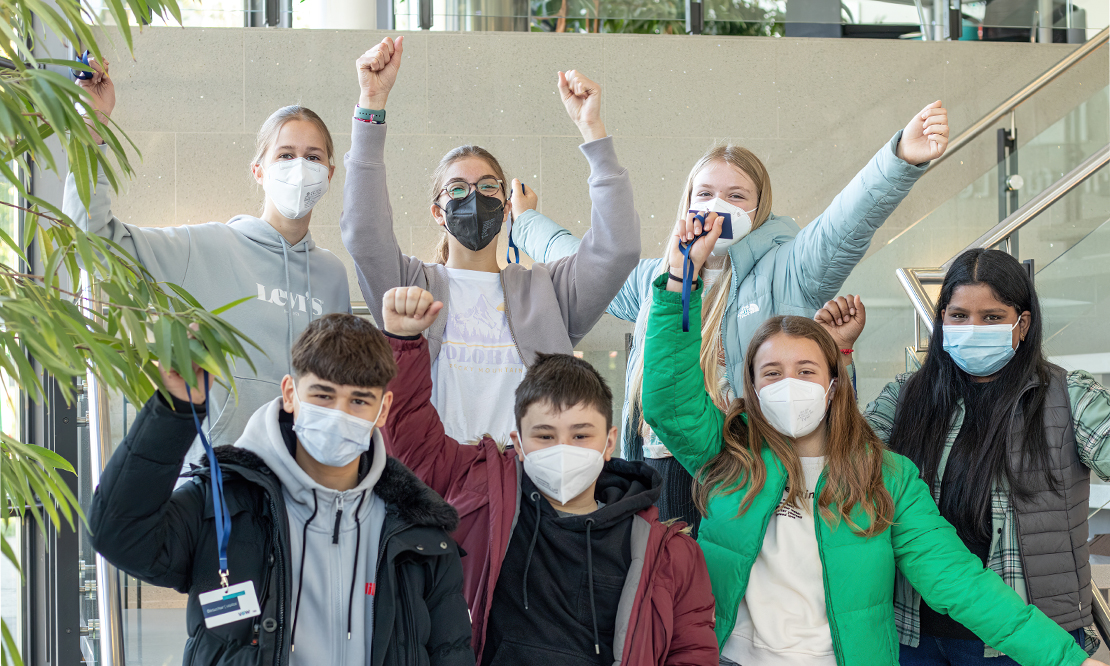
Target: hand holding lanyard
x,y
686,247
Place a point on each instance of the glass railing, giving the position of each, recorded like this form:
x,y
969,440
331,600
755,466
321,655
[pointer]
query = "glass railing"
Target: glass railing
x,y
999,20
1074,290
958,222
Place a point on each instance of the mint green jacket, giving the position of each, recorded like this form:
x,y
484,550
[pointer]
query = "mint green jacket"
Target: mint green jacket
x,y
858,572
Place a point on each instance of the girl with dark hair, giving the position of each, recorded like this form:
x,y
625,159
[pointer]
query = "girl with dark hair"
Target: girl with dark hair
x,y
1006,441
806,517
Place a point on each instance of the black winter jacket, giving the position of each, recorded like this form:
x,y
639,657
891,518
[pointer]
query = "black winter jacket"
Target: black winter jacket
x,y
168,538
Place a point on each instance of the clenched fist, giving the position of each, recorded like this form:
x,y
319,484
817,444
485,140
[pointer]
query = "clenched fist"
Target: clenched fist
x,y
926,136
582,99
408,311
377,72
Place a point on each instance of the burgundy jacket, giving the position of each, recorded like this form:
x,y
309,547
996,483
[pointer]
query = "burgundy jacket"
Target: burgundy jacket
x,y
666,613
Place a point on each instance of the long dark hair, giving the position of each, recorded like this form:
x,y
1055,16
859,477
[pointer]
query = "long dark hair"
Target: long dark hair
x,y
930,397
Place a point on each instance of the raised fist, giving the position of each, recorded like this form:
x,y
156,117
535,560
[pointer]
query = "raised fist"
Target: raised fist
x,y
582,99
377,72
408,311
523,198
926,136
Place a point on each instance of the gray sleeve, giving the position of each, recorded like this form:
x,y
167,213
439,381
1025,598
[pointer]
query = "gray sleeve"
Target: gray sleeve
x,y
164,251
367,221
586,282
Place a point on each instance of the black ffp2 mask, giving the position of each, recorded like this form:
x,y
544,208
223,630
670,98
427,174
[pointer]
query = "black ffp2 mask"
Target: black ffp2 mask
x,y
475,220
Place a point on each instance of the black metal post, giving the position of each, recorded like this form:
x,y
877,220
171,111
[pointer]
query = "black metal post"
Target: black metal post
x,y
695,21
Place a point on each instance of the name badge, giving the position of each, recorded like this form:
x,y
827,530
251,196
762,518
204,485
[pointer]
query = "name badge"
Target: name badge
x,y
222,606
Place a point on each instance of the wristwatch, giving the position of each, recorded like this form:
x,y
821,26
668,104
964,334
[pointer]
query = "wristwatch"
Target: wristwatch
x,y
376,116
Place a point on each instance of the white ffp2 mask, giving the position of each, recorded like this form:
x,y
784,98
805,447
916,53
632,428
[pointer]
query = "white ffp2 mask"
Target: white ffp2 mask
x,y
295,186
794,407
563,471
332,437
740,223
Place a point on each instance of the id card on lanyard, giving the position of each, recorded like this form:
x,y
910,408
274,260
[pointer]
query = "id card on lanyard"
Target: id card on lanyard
x,y
226,603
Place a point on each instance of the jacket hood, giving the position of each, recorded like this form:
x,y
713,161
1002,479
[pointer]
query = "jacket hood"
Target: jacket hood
x,y
263,437
624,487
260,231
745,254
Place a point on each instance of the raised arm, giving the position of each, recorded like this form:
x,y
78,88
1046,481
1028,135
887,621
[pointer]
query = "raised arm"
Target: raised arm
x,y
137,521
675,402
1090,408
366,224
163,251
827,249
414,433
951,580
586,282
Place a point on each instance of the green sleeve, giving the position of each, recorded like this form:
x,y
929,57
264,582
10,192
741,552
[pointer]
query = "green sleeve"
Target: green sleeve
x,y
951,580
675,402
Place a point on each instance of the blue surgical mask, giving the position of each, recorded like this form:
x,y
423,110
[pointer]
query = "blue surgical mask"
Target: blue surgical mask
x,y
332,437
980,351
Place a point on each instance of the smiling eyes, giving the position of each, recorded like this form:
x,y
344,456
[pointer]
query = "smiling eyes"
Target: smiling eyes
x,y
290,156
960,316
327,397
705,194
776,373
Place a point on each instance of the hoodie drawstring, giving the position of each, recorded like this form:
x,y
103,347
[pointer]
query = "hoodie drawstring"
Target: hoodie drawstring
x,y
300,577
590,575
354,571
289,300
535,497
308,277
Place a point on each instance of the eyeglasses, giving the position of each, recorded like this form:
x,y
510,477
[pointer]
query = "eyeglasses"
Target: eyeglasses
x,y
460,189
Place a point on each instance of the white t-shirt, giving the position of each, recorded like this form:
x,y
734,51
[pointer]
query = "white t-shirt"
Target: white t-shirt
x,y
475,375
781,620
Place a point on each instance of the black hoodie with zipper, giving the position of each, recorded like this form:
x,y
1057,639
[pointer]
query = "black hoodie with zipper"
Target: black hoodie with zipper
x,y
556,599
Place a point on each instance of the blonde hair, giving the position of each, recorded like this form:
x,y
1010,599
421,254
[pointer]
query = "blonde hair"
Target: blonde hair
x,y
440,175
716,301
268,133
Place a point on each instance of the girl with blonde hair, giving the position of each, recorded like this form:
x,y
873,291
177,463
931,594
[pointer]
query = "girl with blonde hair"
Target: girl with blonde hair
x,y
769,267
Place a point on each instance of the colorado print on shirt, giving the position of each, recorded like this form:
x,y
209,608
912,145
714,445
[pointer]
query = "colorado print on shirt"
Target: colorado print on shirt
x,y
478,367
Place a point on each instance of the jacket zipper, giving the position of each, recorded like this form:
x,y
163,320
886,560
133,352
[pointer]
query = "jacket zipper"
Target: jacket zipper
x,y
280,653
509,320
838,652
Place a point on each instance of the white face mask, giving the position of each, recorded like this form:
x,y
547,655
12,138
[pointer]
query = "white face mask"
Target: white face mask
x,y
332,437
794,407
740,224
563,472
295,186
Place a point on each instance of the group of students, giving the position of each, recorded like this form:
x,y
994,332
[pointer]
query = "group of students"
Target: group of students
x,y
444,487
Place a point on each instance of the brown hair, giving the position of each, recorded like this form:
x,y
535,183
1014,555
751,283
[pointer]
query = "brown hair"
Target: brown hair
x,y
268,133
344,349
716,301
563,381
854,455
440,175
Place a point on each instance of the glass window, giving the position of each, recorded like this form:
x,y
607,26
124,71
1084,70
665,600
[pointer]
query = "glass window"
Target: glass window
x,y
11,587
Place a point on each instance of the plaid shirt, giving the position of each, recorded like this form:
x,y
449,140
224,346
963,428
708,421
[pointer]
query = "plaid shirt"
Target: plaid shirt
x,y
1090,408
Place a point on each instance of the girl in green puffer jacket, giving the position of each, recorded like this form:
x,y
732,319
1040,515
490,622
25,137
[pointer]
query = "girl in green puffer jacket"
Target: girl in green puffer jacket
x,y
806,516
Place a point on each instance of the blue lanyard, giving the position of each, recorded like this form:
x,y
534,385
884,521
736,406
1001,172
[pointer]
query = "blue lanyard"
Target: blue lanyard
x,y
219,506
512,244
687,282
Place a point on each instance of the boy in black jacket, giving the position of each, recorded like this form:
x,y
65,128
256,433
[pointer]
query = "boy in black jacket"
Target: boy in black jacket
x,y
336,554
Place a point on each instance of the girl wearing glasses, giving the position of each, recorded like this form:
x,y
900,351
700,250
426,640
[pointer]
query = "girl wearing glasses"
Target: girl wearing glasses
x,y
495,319
767,267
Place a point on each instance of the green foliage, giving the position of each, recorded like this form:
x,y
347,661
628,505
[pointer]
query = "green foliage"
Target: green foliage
x,y
722,17
130,323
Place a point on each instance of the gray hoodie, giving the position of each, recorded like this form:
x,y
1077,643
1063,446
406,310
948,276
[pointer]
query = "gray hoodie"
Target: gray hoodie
x,y
218,263
551,306
334,554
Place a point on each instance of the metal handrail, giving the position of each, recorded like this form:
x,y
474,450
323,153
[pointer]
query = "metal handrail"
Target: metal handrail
x,y
913,280
1015,100
109,604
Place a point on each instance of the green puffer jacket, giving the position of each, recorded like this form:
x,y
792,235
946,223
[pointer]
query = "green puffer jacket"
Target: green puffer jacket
x,y
858,572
